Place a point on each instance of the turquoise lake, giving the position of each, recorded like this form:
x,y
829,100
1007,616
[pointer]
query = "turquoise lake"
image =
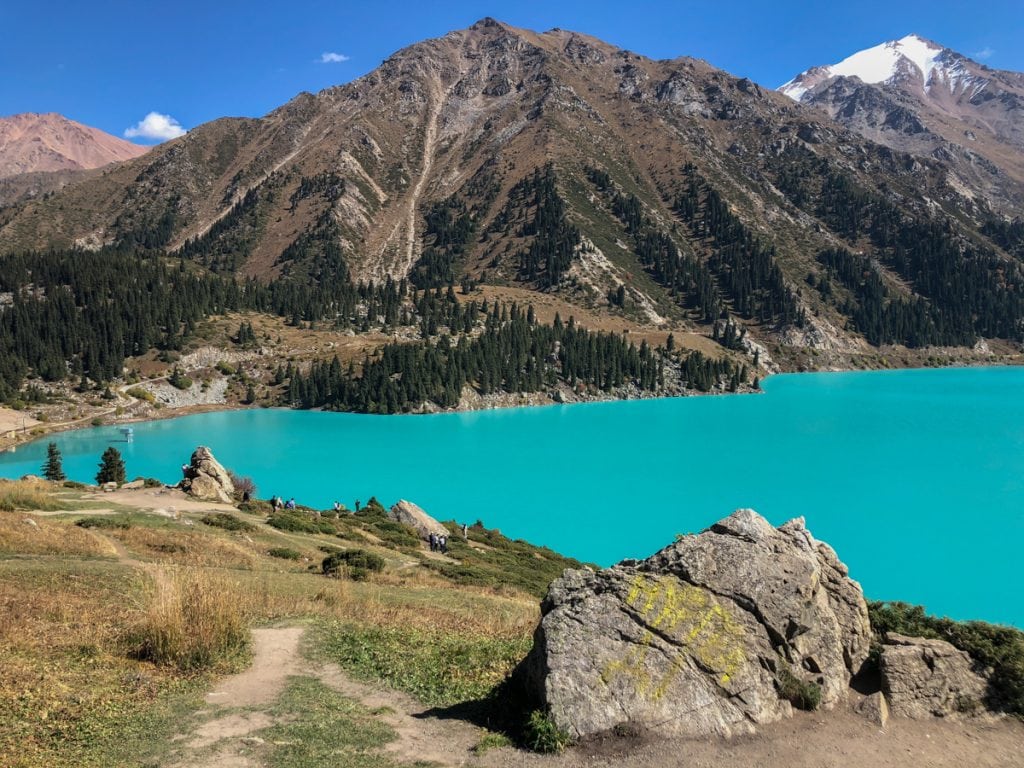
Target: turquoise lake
x,y
915,477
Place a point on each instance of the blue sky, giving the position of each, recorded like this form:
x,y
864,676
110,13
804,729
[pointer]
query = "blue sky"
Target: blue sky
x,y
110,63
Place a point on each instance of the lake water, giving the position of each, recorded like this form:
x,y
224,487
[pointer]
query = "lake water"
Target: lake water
x,y
915,477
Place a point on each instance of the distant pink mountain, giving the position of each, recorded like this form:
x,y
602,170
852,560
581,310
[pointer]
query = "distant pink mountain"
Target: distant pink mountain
x,y
43,143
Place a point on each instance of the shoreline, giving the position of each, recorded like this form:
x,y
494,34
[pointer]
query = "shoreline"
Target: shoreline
x,y
41,429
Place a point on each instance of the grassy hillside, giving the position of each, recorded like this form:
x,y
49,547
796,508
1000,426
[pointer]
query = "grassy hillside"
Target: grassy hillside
x,y
114,619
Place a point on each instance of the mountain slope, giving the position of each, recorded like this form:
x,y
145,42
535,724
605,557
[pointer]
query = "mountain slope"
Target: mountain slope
x,y
917,96
33,143
669,192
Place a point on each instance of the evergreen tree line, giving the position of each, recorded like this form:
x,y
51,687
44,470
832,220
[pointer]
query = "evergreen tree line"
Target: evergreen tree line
x,y
971,291
746,268
882,318
81,314
686,278
555,240
225,247
450,228
1008,235
513,353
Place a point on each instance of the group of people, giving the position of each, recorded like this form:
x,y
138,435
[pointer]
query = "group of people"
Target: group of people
x,y
439,543
278,503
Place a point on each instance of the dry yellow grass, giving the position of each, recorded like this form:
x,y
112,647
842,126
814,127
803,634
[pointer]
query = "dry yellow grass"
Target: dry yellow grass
x,y
45,537
194,619
18,495
187,547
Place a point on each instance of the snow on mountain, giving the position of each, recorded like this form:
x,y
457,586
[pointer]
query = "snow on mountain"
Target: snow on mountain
x,y
908,57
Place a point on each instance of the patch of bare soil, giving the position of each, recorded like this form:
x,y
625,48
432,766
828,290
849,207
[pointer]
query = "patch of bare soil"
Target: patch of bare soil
x,y
160,500
836,739
422,737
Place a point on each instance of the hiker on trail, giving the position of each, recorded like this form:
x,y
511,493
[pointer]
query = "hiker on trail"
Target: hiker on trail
x,y
290,504
337,506
276,503
433,541
443,545
465,532
357,505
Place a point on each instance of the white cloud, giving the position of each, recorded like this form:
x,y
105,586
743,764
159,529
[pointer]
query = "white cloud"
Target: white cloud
x,y
156,126
984,53
332,58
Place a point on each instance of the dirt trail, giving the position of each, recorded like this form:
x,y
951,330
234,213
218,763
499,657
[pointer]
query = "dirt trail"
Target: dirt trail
x,y
226,740
421,738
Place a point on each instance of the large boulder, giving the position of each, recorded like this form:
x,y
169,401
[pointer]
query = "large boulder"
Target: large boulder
x,y
407,513
206,479
923,678
701,638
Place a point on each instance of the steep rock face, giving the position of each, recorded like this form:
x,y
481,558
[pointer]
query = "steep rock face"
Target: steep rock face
x,y
206,479
695,640
407,513
924,678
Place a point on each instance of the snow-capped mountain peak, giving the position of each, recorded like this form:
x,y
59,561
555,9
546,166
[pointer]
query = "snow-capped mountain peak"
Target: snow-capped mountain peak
x,y
910,57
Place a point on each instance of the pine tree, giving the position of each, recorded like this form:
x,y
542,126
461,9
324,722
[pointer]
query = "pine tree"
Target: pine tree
x,y
53,468
111,467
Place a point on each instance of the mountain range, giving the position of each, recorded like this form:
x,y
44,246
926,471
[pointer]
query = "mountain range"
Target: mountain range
x,y
917,96
867,203
41,153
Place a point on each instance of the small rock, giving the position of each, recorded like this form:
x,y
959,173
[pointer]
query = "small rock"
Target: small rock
x,y
874,709
134,485
922,678
253,741
109,487
30,521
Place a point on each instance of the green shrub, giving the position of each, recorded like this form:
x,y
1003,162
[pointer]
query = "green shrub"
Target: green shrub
x,y
141,394
255,507
801,694
75,485
121,522
491,740
990,646
152,482
355,562
228,522
285,553
542,735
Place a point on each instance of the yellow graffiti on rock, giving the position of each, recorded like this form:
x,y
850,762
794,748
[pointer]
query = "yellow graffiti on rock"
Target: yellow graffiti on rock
x,y
694,620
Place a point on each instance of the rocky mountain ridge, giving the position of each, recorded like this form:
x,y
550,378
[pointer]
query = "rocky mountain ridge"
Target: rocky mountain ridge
x,y
918,96
666,191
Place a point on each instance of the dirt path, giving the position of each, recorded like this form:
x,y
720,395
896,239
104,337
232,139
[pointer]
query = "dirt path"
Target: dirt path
x,y
226,739
421,738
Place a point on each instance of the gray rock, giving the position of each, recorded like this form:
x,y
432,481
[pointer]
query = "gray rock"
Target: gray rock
x,y
206,479
873,708
134,485
407,513
693,640
924,678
